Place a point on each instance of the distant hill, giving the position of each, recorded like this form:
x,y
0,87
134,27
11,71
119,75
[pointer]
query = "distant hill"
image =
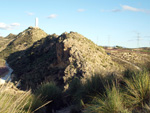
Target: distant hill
x,y
60,58
23,40
10,36
4,41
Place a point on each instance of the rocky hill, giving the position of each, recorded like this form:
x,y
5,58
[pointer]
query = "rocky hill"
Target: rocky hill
x,y
60,58
23,40
4,41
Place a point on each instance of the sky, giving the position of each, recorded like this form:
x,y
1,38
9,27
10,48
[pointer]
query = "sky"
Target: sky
x,y
105,22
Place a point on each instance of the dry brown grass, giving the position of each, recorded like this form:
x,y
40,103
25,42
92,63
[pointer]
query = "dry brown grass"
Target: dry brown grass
x,y
13,100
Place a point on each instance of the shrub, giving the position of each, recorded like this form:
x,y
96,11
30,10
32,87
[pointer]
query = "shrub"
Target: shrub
x,y
50,92
93,86
74,93
80,92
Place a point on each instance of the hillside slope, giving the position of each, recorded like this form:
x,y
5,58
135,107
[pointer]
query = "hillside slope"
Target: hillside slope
x,y
131,58
60,58
23,40
4,41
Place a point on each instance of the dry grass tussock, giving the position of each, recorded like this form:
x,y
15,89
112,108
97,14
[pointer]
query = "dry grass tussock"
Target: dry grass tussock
x,y
13,100
130,95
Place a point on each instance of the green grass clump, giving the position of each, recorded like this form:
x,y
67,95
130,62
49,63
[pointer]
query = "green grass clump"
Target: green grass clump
x,y
138,90
110,102
50,92
82,92
130,94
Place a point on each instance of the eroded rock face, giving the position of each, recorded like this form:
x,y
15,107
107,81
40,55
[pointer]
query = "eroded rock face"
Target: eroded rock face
x,y
60,58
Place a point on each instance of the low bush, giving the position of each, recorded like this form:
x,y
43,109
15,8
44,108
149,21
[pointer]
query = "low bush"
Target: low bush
x,y
50,92
82,92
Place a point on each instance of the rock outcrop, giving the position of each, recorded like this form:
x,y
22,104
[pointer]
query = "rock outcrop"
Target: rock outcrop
x,y
60,58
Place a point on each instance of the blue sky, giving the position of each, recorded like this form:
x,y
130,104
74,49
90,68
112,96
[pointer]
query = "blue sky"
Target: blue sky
x,y
106,22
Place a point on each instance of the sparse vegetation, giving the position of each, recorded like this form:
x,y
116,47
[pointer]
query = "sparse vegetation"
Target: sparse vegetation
x,y
50,92
22,41
65,65
110,102
4,41
60,58
16,101
131,96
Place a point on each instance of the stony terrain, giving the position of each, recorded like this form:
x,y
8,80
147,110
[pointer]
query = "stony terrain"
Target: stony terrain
x,y
130,58
36,58
60,58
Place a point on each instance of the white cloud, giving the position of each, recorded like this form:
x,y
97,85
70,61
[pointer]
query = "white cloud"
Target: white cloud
x,y
52,16
129,8
4,26
116,10
30,13
81,10
113,10
15,24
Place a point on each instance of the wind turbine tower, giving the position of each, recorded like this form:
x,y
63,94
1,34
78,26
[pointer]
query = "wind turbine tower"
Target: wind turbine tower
x,y
36,22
